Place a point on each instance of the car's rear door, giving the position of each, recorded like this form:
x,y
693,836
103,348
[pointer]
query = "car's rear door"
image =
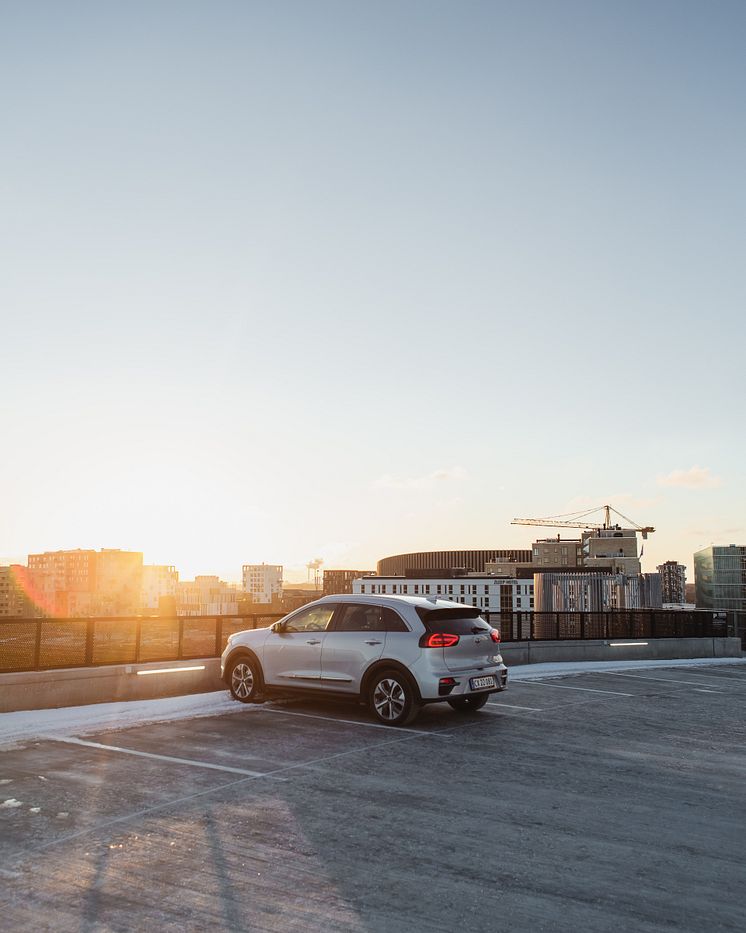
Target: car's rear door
x,y
292,655
356,639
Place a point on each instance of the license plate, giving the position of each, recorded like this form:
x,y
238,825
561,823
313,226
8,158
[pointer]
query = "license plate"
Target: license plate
x,y
482,683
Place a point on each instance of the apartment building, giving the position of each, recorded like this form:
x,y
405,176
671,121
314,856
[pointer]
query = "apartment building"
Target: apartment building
x,y
673,582
263,582
557,552
340,581
15,599
77,583
614,548
159,587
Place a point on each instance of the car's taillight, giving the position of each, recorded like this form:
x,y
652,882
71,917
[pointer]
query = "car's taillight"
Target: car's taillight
x,y
438,640
495,635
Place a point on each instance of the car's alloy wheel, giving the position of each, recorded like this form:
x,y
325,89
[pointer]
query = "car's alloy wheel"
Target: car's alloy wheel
x,y
392,699
469,704
244,681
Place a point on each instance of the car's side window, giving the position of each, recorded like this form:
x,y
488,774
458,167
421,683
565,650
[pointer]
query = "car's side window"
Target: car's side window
x,y
354,618
315,619
392,621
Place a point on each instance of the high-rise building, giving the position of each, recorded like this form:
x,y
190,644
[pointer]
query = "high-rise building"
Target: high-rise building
x,y
720,577
263,582
673,582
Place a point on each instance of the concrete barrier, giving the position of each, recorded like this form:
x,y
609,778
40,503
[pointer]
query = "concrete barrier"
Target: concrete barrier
x,y
79,686
619,649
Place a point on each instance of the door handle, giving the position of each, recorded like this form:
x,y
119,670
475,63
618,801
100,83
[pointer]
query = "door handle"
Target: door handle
x,y
316,642
373,642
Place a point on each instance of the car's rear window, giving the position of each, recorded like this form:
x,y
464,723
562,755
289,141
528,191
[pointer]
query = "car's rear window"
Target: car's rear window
x,y
454,621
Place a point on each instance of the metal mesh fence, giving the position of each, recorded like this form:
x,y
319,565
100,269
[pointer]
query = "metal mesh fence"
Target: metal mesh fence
x,y
63,643
114,641
18,646
159,640
39,644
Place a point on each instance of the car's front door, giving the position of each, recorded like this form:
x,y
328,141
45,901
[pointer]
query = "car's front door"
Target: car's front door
x,y
356,640
292,655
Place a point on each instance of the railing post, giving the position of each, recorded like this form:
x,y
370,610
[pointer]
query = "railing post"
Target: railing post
x,y
652,623
582,626
89,642
138,640
37,647
218,636
181,638
557,626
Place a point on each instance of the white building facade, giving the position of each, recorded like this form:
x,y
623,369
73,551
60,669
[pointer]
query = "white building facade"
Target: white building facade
x,y
485,592
207,596
263,582
158,581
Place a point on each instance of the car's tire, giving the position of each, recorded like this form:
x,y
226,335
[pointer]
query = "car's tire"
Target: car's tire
x,y
469,704
244,680
393,698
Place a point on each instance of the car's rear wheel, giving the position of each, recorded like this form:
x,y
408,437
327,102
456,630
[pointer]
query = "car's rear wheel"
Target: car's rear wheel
x,y
469,704
393,698
244,681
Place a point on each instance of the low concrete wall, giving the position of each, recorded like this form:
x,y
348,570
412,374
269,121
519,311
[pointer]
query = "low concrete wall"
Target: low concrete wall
x,y
78,686
619,649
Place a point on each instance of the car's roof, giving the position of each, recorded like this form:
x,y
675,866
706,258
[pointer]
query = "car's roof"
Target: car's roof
x,y
383,599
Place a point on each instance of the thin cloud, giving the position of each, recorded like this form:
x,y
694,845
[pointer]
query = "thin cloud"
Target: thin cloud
x,y
695,477
428,481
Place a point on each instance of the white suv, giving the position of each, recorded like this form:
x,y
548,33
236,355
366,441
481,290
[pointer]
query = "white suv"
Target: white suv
x,y
393,653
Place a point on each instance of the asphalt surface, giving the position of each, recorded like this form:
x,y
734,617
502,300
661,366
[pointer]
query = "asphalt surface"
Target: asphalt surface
x,y
595,802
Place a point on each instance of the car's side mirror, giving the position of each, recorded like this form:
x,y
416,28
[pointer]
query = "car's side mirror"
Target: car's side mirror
x,y
276,627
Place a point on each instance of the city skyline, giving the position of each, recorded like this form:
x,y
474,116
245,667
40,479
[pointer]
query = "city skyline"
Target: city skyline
x,y
341,281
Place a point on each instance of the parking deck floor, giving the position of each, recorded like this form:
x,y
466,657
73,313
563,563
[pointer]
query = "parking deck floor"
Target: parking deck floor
x,y
593,802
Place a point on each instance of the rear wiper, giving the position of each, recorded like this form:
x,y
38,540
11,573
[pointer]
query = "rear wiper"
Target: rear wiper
x,y
478,629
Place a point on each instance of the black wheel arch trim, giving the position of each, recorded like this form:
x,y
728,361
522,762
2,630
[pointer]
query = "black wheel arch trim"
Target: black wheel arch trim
x,y
242,652
387,665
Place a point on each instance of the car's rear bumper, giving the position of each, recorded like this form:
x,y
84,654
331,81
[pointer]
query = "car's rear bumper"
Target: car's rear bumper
x,y
434,690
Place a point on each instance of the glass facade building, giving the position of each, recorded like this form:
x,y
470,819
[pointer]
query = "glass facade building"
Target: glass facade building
x,y
720,577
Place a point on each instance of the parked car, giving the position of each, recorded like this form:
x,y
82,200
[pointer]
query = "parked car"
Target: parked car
x,y
393,653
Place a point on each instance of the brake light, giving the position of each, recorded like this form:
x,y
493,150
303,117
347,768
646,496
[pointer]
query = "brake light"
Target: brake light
x,y
438,640
495,635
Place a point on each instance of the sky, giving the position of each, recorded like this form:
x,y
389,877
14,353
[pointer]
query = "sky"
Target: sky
x,y
338,280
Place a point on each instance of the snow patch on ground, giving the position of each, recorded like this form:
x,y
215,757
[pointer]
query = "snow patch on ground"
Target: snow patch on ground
x,y
27,725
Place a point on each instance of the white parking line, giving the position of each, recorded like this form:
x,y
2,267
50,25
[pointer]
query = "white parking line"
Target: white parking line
x,y
131,751
541,683
499,705
661,680
349,722
167,804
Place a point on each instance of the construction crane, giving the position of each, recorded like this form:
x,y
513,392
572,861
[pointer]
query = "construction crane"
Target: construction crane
x,y
575,520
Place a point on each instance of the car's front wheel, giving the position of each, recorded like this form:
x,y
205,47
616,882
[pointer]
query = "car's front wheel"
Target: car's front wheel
x,y
393,698
243,680
469,704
